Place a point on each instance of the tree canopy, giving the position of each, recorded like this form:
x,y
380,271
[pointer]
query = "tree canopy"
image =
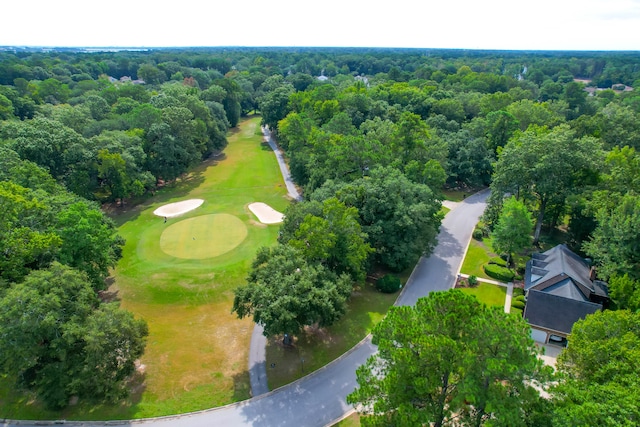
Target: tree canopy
x,y
58,341
599,383
401,218
328,233
513,230
450,360
284,293
544,166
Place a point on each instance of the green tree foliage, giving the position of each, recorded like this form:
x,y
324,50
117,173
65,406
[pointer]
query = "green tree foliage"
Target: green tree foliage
x,y
151,74
284,293
614,243
89,242
618,126
545,166
501,126
273,104
625,291
327,233
470,160
599,372
513,230
121,165
449,360
621,174
388,284
575,96
401,218
528,112
45,142
52,91
25,243
39,227
231,100
6,108
58,341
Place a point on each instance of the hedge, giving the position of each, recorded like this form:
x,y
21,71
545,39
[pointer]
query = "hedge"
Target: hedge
x,y
502,274
388,284
498,261
517,304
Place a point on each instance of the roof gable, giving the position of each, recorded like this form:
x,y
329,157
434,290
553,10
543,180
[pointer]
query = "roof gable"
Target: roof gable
x,y
557,265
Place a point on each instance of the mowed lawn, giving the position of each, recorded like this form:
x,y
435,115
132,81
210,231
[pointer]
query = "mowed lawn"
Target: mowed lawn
x,y
197,350
478,254
487,293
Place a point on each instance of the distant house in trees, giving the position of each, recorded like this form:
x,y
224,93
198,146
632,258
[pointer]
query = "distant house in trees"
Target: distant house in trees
x,y
126,79
561,289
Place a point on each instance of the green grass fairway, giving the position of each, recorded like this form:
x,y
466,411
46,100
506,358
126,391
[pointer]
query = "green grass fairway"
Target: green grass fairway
x,y
197,350
204,236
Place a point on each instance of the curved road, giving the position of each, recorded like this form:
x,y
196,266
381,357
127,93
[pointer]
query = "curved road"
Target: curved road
x,y
319,398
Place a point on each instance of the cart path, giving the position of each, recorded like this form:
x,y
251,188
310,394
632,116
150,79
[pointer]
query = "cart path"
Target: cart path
x,y
286,175
257,348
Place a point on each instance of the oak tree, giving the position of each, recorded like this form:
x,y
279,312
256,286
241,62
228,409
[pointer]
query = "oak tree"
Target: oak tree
x,y
448,360
284,293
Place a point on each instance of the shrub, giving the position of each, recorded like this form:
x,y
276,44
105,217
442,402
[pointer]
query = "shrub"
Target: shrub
x,y
499,273
518,292
477,234
519,298
388,284
517,304
498,261
473,280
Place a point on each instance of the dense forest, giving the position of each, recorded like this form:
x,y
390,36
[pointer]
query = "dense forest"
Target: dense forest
x,y
372,136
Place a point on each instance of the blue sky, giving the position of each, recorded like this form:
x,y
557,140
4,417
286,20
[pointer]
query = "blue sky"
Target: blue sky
x,y
464,24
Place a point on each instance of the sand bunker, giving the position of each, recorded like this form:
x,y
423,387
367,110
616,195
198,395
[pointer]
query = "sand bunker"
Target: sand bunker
x,y
178,208
265,213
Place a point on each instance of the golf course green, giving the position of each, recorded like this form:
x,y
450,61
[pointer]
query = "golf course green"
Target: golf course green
x,y
216,234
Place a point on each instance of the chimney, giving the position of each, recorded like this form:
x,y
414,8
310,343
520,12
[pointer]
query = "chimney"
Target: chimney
x,y
592,274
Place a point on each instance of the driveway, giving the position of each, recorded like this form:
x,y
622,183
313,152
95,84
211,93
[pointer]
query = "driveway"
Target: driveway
x,y
320,398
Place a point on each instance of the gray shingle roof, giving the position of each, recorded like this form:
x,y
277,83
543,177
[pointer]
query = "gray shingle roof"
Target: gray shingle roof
x,y
562,272
556,312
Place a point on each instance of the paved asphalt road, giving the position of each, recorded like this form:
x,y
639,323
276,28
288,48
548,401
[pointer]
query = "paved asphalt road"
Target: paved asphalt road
x,y
319,398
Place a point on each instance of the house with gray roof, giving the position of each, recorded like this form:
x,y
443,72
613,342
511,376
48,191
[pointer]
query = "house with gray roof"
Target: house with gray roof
x,y
560,289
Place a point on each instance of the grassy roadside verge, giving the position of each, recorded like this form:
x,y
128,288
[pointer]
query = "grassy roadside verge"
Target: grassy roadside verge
x,y
316,348
478,254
